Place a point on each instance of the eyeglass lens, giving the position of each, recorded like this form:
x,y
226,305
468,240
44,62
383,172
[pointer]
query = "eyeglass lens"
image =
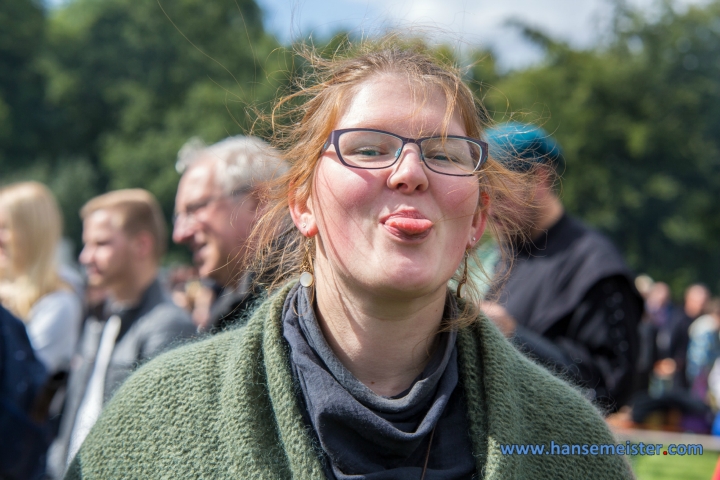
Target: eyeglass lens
x,y
454,156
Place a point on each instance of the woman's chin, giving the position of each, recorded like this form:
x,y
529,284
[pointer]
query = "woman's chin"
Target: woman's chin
x,y
409,286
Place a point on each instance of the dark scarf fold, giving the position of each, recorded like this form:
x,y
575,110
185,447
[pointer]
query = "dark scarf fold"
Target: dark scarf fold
x,y
365,435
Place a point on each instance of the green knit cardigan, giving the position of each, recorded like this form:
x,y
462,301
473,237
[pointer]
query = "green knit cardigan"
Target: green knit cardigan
x,y
226,407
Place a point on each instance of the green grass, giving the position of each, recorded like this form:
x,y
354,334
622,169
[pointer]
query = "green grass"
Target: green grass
x,y
666,467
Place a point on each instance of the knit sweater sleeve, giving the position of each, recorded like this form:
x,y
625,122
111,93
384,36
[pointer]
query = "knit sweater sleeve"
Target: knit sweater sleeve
x,y
146,427
199,411
519,403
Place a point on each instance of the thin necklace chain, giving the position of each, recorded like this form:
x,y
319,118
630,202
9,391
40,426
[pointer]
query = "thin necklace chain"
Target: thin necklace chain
x,y
427,454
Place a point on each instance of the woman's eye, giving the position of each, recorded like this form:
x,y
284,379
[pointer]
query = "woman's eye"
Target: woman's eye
x,y
369,152
439,157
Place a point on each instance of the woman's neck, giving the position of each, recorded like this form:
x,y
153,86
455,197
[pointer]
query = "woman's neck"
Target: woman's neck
x,y
386,343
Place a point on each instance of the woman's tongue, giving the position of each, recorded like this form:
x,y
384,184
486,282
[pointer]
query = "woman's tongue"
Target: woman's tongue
x,y
409,226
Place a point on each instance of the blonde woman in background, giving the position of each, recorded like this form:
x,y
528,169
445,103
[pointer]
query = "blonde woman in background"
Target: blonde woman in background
x,y
30,286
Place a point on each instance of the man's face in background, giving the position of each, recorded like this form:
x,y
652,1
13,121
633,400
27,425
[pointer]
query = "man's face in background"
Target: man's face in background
x,y
215,226
107,254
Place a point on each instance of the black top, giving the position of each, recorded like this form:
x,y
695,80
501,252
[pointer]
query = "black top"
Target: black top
x,y
232,305
22,376
577,309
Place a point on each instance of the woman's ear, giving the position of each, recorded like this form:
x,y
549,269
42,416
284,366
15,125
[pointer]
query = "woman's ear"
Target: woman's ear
x,y
303,215
479,221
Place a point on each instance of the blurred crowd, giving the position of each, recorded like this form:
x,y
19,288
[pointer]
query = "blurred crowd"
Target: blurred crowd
x,y
678,372
71,337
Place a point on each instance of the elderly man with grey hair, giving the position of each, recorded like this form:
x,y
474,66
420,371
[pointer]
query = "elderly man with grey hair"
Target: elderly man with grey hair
x,y
215,208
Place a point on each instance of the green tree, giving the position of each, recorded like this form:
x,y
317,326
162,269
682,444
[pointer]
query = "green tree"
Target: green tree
x,y
132,80
28,137
639,122
22,32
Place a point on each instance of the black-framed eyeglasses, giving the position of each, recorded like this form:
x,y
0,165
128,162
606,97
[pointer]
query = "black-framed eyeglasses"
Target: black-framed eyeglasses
x,y
372,149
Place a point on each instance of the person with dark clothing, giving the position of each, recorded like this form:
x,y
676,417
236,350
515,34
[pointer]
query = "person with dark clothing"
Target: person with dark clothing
x,y
569,300
231,303
22,377
124,239
666,326
576,309
216,205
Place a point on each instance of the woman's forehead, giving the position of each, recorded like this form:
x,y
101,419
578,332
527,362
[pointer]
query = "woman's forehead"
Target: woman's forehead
x,y
393,102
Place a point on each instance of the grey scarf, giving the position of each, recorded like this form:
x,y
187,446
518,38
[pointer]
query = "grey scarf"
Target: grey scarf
x,y
364,435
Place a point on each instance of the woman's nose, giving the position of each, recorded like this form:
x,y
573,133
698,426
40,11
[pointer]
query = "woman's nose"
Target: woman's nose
x,y
409,174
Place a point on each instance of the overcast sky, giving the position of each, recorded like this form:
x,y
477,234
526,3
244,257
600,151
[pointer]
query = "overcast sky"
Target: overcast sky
x,y
466,22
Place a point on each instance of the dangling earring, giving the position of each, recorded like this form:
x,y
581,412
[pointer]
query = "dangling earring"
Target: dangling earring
x,y
306,277
463,279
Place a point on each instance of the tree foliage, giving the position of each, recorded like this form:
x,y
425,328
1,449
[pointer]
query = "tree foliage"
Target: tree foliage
x,y
22,32
127,82
639,123
136,79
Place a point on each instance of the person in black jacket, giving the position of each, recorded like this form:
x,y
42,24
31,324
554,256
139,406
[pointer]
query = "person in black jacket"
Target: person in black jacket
x,y
24,439
569,300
